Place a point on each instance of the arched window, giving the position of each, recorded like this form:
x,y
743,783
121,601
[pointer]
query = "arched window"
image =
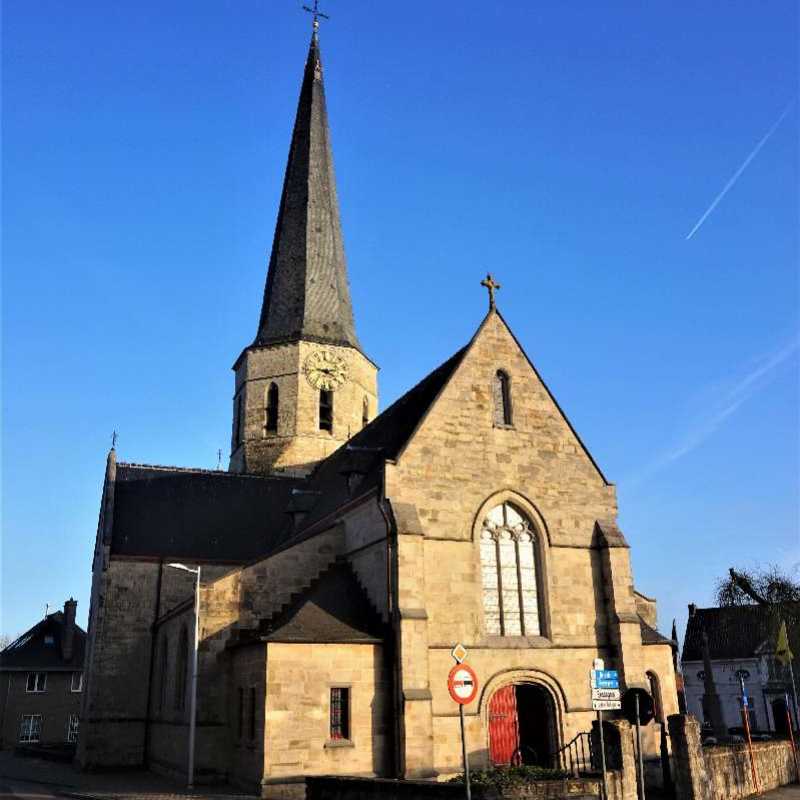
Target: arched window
x,y
508,569
271,421
162,674
655,693
181,667
365,412
501,391
325,411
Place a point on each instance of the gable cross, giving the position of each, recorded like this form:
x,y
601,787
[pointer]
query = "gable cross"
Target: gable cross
x,y
317,14
492,286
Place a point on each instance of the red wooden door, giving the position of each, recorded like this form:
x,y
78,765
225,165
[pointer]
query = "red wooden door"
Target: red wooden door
x,y
503,725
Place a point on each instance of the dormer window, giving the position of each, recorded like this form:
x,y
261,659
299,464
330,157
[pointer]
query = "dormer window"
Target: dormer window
x,y
326,411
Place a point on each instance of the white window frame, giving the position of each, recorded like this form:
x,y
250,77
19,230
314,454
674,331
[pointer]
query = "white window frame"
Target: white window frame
x,y
80,682
39,683
73,727
30,729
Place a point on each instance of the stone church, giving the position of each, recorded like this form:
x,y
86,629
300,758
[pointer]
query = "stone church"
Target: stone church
x,y
345,552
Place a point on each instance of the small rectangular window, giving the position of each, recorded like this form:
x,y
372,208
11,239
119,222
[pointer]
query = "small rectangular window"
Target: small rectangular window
x,y
340,712
76,684
37,682
49,640
252,726
72,728
326,411
30,729
240,726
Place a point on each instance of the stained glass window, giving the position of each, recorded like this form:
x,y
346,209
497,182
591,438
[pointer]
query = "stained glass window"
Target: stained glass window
x,y
508,573
340,712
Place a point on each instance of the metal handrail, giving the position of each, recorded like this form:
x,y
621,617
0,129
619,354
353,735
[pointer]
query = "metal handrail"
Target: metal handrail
x,y
576,756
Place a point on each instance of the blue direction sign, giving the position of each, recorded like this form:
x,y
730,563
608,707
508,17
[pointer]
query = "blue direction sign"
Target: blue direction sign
x,y
605,679
606,674
600,684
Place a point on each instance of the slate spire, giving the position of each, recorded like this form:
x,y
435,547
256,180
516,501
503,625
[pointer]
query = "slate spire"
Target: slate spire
x,y
307,294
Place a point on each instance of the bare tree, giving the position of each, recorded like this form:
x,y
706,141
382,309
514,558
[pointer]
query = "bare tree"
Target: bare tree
x,y
5,641
769,586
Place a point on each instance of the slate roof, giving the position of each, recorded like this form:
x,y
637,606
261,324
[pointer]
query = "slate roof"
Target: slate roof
x,y
198,514
334,608
32,650
652,636
307,294
736,632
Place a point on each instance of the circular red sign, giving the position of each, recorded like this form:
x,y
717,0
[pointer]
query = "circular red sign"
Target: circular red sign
x,y
462,683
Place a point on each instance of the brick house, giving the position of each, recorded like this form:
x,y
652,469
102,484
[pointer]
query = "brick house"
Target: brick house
x,y
344,552
41,675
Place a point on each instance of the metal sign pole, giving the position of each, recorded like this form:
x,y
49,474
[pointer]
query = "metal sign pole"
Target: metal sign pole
x,y
603,754
746,718
794,692
791,737
639,750
464,755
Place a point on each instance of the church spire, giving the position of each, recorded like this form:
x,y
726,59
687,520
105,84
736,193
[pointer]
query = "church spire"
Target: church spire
x,y
307,294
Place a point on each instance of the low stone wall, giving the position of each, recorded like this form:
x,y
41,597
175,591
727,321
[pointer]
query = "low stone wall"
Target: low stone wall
x,y
335,788
730,775
723,772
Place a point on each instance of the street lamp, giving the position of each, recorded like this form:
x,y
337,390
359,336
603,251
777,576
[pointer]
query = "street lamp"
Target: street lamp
x,y
193,700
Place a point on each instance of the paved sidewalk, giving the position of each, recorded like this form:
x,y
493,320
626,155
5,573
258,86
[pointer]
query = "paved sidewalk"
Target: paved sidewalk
x,y
791,792
128,784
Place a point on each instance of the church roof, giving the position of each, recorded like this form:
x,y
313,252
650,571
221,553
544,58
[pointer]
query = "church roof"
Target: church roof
x,y
334,608
737,631
307,294
198,514
651,636
40,647
383,438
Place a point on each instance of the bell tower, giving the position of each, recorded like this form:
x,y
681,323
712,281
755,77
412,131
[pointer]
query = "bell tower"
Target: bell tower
x,y
304,386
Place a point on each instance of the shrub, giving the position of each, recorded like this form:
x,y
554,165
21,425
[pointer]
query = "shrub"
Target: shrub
x,y
511,777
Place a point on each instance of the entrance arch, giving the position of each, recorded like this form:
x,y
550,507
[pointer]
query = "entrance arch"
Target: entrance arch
x,y
522,725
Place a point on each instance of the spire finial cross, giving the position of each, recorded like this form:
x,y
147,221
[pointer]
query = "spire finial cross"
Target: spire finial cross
x,y
317,15
492,286
113,440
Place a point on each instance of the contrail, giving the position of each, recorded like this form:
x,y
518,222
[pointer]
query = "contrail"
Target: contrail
x,y
725,404
739,171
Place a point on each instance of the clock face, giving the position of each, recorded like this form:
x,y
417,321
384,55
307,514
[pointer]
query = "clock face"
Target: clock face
x,y
325,370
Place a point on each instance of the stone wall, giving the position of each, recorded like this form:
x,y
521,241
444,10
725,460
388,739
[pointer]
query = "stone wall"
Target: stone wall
x,y
298,444
724,772
458,465
297,737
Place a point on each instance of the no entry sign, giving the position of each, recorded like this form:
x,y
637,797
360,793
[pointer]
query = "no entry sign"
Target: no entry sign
x,y
462,683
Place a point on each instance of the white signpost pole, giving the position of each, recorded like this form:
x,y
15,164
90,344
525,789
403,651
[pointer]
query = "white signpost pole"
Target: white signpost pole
x,y
603,754
464,755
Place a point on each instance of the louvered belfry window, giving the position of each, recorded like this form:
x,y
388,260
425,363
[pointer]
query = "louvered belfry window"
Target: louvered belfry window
x,y
508,571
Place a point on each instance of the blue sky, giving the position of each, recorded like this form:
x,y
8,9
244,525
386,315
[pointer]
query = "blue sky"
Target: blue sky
x,y
568,148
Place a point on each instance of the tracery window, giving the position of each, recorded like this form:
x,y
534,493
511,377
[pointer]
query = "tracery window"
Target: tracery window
x,y
508,569
271,419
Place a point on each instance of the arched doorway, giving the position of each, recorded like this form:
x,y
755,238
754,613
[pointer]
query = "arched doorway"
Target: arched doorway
x,y
522,725
779,717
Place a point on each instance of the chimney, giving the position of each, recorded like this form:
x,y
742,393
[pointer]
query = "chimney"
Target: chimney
x,y
68,631
692,610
